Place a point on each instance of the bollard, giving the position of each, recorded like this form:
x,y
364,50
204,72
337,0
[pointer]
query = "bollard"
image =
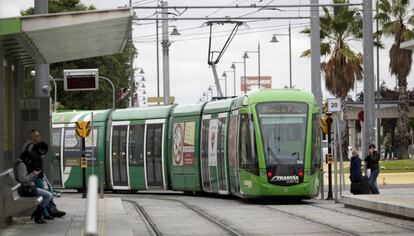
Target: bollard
x,y
91,219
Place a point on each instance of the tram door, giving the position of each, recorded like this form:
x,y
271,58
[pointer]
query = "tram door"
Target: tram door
x,y
221,158
154,155
56,157
119,156
205,169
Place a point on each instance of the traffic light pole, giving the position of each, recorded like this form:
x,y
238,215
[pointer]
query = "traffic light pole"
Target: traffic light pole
x,y
83,166
330,196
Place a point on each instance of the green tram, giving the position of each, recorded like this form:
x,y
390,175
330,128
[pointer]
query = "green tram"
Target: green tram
x,y
264,144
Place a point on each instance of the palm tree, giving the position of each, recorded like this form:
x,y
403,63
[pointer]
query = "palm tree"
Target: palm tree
x,y
342,66
394,16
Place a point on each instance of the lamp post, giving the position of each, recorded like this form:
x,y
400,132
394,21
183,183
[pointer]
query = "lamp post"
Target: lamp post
x,y
234,78
233,66
210,88
258,59
274,40
245,56
225,83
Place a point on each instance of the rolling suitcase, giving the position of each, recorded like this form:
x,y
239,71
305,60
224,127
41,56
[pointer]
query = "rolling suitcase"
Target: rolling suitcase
x,y
360,187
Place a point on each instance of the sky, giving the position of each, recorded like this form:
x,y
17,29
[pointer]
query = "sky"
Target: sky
x,y
191,76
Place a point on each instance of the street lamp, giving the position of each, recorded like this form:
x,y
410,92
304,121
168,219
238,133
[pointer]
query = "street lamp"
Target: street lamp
x,y
274,40
245,56
258,59
210,88
234,78
233,66
225,83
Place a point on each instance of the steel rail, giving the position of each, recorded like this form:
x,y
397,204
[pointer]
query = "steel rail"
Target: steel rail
x,y
336,229
140,209
205,215
367,218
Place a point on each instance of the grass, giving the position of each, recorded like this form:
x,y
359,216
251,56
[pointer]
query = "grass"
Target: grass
x,y
397,166
393,166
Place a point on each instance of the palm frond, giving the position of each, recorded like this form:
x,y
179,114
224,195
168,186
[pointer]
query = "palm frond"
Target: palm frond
x,y
400,61
411,20
384,6
382,17
306,31
306,53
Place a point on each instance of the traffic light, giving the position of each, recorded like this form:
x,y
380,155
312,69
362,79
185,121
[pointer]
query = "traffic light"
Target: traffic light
x,y
326,120
82,128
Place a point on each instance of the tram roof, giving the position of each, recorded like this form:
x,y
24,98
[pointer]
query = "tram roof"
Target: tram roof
x,y
73,116
188,110
218,106
141,113
288,94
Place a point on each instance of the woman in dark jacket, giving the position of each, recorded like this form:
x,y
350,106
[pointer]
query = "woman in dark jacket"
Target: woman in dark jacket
x,y
26,176
355,168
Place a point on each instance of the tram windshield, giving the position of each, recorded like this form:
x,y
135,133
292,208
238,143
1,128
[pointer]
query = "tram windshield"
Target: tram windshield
x,y
283,128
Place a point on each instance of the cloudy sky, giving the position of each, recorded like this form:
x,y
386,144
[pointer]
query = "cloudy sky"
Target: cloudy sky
x,y
190,75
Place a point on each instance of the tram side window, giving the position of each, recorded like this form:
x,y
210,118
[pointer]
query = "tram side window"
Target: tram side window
x,y
222,135
316,144
204,139
248,157
158,141
136,145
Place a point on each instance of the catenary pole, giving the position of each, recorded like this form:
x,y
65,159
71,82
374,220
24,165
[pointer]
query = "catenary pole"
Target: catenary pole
x,y
378,90
158,57
368,50
165,53
42,70
315,72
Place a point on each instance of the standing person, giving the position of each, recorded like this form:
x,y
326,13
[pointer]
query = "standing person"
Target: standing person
x,y
372,168
34,137
388,147
355,167
26,177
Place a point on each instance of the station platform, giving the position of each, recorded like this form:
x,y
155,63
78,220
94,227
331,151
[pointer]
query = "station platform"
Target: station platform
x,y
395,201
112,219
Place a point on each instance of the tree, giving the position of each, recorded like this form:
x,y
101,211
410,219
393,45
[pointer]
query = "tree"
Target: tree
x,y
394,17
342,66
116,67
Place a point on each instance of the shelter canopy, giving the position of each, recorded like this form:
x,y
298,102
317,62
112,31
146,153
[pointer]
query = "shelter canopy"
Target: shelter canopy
x,y
51,38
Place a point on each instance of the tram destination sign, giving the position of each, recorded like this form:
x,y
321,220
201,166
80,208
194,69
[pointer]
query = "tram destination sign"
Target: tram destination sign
x,y
81,79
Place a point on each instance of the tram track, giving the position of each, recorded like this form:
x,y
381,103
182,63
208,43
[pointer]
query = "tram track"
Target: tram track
x,y
152,225
301,217
156,231
400,225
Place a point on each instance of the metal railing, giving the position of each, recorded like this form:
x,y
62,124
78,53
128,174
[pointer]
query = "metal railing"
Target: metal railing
x,y
91,219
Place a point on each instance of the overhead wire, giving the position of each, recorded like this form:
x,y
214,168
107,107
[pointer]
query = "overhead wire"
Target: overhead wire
x,y
214,12
143,2
223,35
227,31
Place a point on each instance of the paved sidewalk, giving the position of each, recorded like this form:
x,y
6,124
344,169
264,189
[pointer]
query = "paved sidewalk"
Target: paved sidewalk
x,y
391,201
112,219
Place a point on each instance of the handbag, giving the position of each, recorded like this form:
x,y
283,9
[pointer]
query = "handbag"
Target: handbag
x,y
28,190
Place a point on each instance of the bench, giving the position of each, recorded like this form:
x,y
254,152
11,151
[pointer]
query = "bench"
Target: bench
x,y
14,204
